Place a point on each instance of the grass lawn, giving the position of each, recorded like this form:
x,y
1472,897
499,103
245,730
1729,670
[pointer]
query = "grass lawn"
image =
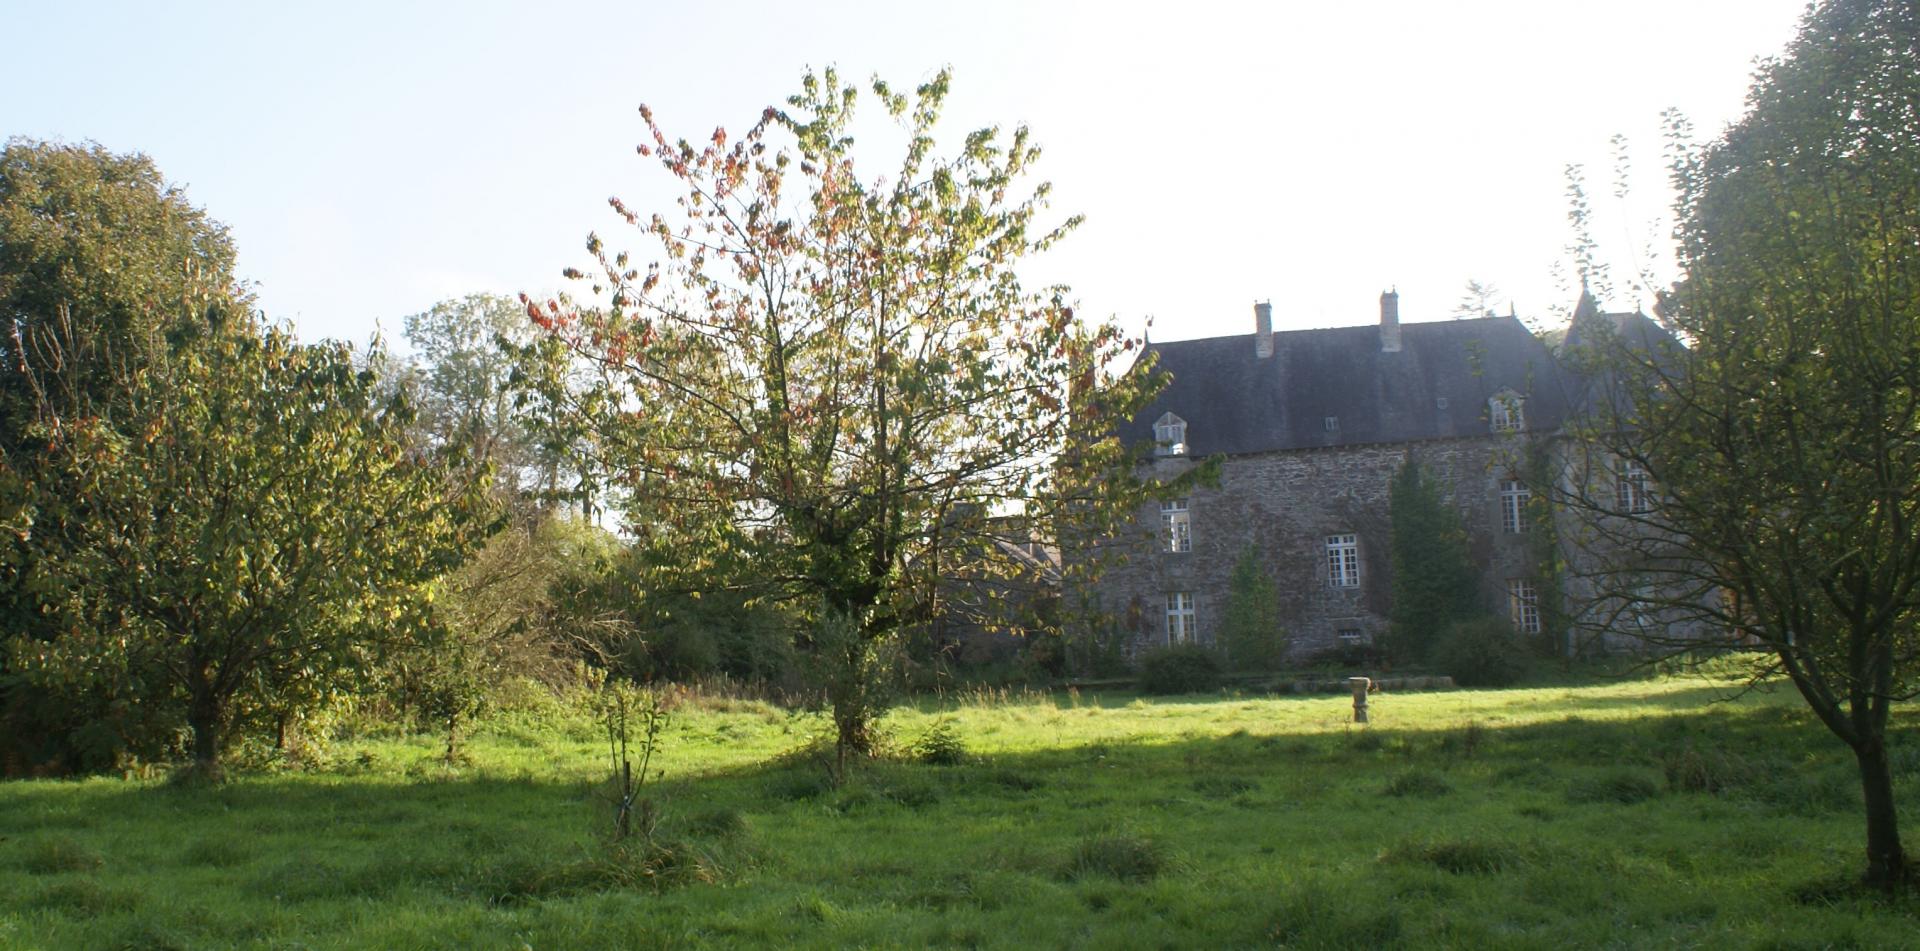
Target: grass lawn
x,y
1627,814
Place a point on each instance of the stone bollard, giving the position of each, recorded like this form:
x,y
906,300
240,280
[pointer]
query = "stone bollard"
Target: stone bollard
x,y
1360,686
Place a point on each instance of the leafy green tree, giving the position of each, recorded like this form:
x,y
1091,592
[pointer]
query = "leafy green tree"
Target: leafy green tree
x,y
1250,628
465,351
1435,583
102,262
823,372
247,530
103,268
1759,485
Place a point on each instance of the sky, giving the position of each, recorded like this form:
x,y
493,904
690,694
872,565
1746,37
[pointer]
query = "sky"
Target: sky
x,y
374,158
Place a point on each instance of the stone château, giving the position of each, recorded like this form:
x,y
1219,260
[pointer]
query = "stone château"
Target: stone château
x,y
1310,426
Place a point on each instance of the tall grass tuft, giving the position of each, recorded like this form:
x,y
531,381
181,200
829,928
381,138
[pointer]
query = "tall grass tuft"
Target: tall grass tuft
x,y
1456,856
1125,856
52,855
1420,783
1320,917
1690,769
1622,786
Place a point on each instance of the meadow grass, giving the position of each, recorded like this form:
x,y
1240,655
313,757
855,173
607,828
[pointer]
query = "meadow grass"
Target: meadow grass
x,y
1625,814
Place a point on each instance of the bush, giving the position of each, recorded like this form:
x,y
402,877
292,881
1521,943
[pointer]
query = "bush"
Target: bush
x,y
942,745
1185,668
1482,652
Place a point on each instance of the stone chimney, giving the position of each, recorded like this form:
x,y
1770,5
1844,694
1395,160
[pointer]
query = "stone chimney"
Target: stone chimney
x,y
1263,329
1390,322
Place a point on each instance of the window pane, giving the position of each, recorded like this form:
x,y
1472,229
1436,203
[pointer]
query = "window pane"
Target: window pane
x,y
1343,561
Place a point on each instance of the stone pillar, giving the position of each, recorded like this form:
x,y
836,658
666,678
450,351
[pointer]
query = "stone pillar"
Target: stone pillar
x,y
1360,686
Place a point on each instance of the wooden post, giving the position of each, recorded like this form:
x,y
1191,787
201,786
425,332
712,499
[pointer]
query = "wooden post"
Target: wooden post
x,y
1360,686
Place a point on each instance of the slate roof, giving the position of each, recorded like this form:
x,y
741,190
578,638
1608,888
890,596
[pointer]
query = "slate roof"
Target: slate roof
x,y
1436,386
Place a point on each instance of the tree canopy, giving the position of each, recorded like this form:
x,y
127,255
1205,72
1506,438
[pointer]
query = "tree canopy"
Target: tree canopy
x,y
843,377
1761,485
97,247
208,522
245,533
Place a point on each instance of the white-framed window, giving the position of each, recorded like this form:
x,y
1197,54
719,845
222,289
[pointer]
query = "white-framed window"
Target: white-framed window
x,y
1514,496
1170,436
1352,637
1523,605
1180,628
1631,488
1506,412
1176,526
1343,561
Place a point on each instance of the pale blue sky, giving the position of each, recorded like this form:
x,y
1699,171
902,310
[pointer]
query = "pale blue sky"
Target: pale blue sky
x,y
374,158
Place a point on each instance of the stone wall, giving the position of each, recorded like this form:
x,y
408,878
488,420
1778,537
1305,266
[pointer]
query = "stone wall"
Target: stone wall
x,y
1286,504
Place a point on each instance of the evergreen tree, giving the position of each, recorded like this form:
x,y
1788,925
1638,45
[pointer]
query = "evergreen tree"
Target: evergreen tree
x,y
1434,579
1250,629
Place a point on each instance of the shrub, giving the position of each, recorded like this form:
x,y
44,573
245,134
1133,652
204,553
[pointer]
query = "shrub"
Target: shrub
x,y
1482,652
941,746
1183,668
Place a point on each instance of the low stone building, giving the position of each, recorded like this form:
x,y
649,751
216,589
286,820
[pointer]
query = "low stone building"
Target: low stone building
x,y
1310,427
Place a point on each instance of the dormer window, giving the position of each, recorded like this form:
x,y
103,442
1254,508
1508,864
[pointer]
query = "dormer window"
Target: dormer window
x,y
1170,436
1505,412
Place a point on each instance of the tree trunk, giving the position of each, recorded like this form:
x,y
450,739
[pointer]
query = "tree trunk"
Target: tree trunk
x,y
1886,861
855,733
206,716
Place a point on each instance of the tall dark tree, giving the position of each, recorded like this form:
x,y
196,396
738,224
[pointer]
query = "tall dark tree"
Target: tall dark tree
x,y
1435,583
1761,486
1250,628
